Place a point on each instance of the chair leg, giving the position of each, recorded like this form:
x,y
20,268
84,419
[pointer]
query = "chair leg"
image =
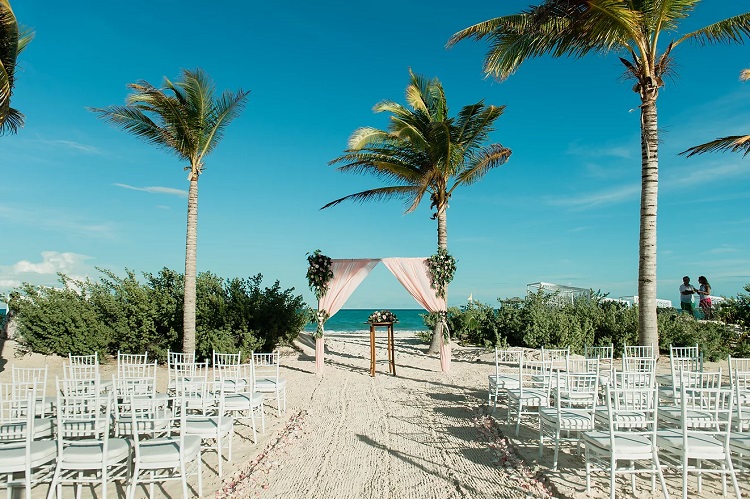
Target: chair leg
x,y
612,468
733,476
588,471
557,449
661,475
184,477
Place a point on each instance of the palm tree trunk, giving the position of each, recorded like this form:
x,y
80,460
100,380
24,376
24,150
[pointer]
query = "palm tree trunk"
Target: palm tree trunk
x,y
188,318
648,333
442,244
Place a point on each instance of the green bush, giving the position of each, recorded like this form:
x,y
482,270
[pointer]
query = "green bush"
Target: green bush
x,y
539,320
124,314
58,321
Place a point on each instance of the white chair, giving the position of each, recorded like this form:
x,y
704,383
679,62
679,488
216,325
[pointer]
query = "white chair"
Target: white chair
x,y
702,442
671,416
506,374
205,416
85,368
627,439
143,391
85,451
267,378
181,366
24,462
605,354
533,392
739,376
44,405
239,399
158,458
681,359
573,412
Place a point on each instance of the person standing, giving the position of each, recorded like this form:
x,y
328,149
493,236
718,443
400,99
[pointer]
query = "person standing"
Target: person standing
x,y
686,295
705,297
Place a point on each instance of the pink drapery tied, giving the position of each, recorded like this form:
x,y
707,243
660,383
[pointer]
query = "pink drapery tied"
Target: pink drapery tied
x,y
412,273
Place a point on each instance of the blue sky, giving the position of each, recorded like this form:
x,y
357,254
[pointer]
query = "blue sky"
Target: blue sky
x,y
77,194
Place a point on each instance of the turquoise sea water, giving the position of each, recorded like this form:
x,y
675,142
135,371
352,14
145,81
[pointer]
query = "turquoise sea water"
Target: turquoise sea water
x,y
354,319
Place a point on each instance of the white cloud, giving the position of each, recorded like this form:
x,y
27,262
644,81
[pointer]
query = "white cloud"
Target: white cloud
x,y
156,190
44,272
623,152
706,174
70,144
599,199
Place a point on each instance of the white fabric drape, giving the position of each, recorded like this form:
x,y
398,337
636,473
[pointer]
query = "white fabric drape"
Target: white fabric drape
x,y
347,275
413,274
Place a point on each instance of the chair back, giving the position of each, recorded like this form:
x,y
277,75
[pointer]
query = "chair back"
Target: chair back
x,y
82,413
507,358
638,351
639,365
15,418
577,391
557,357
234,378
84,360
706,407
738,364
195,394
266,366
226,359
590,366
631,409
132,365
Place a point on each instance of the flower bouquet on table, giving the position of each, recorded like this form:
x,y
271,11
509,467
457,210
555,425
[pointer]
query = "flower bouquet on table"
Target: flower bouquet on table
x,y
381,316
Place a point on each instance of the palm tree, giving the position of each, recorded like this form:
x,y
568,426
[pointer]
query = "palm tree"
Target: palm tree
x,y
12,42
424,151
734,143
188,120
635,29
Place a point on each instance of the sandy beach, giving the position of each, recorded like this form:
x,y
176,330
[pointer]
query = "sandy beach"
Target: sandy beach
x,y
419,434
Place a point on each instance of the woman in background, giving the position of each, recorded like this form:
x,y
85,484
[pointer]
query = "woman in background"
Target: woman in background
x,y
705,299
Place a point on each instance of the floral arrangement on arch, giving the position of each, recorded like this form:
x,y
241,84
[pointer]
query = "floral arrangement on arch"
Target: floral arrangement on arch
x,y
382,316
319,273
442,267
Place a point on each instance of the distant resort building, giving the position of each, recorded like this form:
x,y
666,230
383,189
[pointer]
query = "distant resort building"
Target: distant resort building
x,y
564,295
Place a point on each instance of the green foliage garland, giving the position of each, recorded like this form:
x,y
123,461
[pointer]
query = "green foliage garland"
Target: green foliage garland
x,y
442,267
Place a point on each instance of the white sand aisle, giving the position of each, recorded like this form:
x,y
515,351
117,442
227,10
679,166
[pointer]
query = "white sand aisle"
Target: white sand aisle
x,y
416,435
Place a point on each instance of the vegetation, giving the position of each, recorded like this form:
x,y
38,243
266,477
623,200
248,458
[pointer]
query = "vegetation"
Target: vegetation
x,y
576,28
425,151
189,121
539,320
12,42
733,143
124,314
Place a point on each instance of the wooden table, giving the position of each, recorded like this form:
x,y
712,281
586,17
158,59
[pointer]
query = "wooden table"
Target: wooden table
x,y
391,354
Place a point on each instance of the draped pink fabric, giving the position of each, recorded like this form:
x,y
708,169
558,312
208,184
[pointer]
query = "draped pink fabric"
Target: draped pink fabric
x,y
347,275
412,273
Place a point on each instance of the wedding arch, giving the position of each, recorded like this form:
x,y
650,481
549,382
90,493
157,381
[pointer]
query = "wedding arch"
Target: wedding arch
x,y
348,274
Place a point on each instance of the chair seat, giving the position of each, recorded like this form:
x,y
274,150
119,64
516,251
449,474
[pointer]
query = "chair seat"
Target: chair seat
x,y
235,385
13,455
696,418
567,420
740,442
269,384
530,395
167,450
634,444
699,445
207,426
43,428
86,452
242,401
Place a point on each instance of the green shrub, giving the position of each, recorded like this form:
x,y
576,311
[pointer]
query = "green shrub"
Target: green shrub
x,y
58,321
123,314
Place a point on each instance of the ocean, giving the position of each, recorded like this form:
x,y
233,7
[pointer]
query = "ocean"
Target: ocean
x,y
350,320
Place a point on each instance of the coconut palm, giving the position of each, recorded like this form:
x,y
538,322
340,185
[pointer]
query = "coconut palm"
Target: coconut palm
x,y
424,152
636,29
186,118
733,143
12,42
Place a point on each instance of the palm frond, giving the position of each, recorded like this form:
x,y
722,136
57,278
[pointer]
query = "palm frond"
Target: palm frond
x,y
138,123
25,36
222,112
732,30
745,74
488,158
558,28
366,137
735,143
378,194
11,122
